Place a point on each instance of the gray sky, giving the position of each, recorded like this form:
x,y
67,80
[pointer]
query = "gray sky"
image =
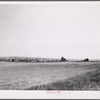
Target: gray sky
x,y
69,29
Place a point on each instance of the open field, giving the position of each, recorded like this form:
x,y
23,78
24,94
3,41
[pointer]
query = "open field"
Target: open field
x,y
17,76
88,81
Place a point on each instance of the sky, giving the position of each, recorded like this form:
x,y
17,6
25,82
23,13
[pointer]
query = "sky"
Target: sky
x,y
50,29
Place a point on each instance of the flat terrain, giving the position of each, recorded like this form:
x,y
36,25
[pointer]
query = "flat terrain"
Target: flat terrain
x,y
17,76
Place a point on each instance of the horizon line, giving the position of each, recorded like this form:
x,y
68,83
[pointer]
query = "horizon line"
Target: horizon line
x,y
51,57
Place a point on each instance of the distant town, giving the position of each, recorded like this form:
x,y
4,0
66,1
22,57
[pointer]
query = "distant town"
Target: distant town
x,y
36,60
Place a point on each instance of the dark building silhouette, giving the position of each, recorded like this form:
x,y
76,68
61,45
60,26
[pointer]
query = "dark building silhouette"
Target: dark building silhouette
x,y
86,60
62,59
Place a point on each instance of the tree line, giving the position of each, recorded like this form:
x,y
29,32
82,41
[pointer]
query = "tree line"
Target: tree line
x,y
35,60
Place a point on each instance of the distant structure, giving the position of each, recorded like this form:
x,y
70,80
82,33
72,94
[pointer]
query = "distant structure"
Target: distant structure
x,y
86,60
62,59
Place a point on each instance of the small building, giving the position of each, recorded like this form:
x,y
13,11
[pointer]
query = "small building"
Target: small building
x,y
86,60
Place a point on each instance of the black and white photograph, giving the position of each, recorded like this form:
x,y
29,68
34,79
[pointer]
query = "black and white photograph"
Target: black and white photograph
x,y
50,46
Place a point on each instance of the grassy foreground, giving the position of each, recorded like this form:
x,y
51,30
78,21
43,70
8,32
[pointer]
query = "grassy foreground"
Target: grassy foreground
x,y
88,81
